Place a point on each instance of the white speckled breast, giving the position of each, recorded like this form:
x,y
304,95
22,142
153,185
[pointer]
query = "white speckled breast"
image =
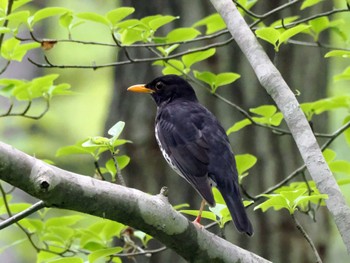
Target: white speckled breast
x,y
165,154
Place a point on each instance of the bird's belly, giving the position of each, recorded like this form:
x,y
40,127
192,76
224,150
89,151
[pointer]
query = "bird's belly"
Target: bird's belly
x,y
166,155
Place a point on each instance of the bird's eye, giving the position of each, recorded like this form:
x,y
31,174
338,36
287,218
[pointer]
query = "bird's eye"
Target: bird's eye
x,y
159,85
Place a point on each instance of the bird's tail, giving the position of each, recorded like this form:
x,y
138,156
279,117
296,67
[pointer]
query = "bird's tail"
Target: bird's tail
x,y
238,213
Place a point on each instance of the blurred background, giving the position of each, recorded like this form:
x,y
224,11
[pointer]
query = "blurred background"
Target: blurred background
x,y
100,100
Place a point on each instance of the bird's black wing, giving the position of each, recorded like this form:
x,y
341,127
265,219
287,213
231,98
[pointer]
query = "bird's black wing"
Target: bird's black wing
x,y
181,138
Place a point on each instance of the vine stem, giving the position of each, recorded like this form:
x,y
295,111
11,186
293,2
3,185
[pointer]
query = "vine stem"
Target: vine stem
x,y
306,236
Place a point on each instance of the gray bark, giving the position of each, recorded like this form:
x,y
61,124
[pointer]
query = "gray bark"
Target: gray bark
x,y
151,214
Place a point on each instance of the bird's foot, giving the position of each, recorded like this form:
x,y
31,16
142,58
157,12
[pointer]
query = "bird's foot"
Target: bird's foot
x,y
197,222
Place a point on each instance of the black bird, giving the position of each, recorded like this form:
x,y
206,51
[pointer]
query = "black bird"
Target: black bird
x,y
195,145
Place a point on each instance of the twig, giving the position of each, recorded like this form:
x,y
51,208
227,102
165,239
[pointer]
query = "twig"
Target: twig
x,y
140,60
17,217
306,236
8,12
119,174
25,111
302,168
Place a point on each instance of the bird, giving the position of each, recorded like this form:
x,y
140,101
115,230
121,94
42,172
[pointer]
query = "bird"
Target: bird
x,y
195,145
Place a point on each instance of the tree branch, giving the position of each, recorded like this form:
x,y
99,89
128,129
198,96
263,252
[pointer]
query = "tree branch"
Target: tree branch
x,y
151,214
272,81
15,218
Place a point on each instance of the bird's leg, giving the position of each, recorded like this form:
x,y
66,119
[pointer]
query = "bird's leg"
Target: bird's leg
x,y
197,221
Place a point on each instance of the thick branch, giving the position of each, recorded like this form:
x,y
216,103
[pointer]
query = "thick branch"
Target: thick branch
x,y
151,214
272,81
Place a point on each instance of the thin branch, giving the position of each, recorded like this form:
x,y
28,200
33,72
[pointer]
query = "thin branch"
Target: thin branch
x,y
302,168
8,62
25,111
308,239
17,217
266,15
143,45
125,62
119,173
8,210
8,12
307,19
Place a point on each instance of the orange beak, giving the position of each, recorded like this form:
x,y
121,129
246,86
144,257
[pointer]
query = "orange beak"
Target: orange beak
x,y
140,88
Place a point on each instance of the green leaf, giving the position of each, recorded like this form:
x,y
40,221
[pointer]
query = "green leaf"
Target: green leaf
x,y
182,34
74,149
123,161
117,129
32,225
329,155
245,162
309,3
345,75
98,141
268,34
318,25
212,22
103,253
67,260
338,53
13,50
46,13
238,126
66,20
94,17
264,110
322,105
173,66
218,196
206,77
7,90
226,78
160,21
145,238
116,15
290,200
15,207
276,119
18,3
287,34
106,229
128,24
38,87
131,36
61,89
16,19
195,57
340,166
63,221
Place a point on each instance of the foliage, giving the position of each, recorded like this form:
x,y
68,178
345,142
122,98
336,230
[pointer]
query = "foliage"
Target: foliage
x,y
97,145
296,196
180,51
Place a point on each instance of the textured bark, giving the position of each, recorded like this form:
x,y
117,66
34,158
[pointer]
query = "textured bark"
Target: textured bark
x,y
272,81
151,214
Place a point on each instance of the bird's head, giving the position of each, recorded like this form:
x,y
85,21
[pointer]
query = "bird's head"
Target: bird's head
x,y
166,88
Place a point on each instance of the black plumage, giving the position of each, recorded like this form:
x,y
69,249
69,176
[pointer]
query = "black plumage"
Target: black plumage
x,y
195,145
